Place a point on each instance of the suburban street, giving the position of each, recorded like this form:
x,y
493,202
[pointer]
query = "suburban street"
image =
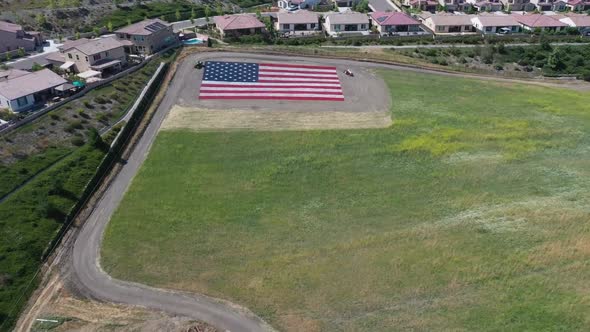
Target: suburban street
x,y
401,47
383,6
92,281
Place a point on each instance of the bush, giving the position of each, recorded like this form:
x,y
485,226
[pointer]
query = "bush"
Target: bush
x,y
77,141
88,105
100,100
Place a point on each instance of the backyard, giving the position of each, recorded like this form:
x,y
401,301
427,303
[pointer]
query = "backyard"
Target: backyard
x,y
468,213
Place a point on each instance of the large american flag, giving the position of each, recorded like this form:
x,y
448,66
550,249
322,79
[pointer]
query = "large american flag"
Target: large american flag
x,y
270,81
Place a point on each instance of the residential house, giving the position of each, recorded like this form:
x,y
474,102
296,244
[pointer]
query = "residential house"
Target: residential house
x,y
450,24
396,23
486,5
237,25
297,4
580,21
518,5
424,5
21,90
532,22
549,5
454,5
302,22
489,24
148,36
13,37
578,5
346,23
345,3
104,55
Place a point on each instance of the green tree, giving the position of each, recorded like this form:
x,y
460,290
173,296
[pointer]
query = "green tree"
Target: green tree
x,y
128,21
207,13
36,67
219,9
362,6
556,60
96,31
110,26
193,14
51,4
62,3
8,56
177,15
40,19
21,52
77,35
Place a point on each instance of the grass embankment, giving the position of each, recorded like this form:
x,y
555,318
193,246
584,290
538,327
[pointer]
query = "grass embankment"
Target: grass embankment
x,y
469,213
38,145
31,218
166,10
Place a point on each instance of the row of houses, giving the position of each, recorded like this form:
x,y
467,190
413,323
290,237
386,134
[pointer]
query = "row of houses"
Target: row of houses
x,y
497,5
304,22
503,23
21,90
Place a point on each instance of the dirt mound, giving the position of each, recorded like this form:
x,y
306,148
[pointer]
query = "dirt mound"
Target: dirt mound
x,y
234,119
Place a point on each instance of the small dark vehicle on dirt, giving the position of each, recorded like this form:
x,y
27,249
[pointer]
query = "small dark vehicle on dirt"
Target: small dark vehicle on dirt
x,y
349,72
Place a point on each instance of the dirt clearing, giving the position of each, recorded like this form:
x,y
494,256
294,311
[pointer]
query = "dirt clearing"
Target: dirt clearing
x,y
200,119
67,313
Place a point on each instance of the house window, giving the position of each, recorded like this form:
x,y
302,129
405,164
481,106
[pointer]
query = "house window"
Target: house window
x,y
22,101
96,57
488,29
363,26
106,54
70,55
312,26
468,27
336,27
286,26
86,58
77,57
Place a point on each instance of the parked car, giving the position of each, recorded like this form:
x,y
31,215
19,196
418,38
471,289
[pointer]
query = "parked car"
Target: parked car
x,y
504,31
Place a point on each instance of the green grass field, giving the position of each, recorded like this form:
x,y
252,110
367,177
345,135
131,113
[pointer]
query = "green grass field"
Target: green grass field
x,y
469,213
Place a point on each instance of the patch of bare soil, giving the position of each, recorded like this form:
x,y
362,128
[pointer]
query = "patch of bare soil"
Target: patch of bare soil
x,y
200,119
63,312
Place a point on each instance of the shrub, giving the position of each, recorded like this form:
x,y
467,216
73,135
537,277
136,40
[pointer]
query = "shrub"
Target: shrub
x,y
77,141
100,100
88,105
54,116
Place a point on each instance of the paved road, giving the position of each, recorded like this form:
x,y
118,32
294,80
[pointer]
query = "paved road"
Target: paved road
x,y
95,283
383,6
400,47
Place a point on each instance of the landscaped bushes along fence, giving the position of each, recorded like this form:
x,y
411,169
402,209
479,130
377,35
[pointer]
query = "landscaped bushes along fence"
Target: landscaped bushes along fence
x,y
138,110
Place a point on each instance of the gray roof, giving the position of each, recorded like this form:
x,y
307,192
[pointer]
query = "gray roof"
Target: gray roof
x,y
300,17
497,20
145,27
31,83
10,27
348,18
11,74
442,19
95,46
73,43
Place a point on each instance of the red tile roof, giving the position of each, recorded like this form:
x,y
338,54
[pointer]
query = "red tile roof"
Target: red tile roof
x,y
393,18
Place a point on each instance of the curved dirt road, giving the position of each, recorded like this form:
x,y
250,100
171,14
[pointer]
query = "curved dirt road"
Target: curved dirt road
x,y
95,283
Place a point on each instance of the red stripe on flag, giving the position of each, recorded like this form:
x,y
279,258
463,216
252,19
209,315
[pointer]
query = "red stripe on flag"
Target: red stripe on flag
x,y
296,71
302,82
266,91
300,76
295,66
287,87
275,98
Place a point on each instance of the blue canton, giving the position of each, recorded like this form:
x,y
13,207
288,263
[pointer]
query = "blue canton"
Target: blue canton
x,y
230,71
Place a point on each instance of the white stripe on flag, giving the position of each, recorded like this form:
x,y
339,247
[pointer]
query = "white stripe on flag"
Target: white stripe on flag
x,y
307,70
286,84
213,89
262,72
259,94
